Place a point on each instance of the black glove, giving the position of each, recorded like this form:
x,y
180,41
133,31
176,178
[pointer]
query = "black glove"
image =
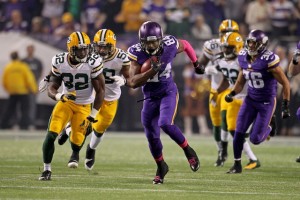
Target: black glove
x,y
155,65
68,97
199,69
92,119
229,97
285,111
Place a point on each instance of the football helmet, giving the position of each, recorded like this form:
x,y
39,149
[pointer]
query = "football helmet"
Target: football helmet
x,y
150,36
231,44
228,25
105,42
256,42
78,46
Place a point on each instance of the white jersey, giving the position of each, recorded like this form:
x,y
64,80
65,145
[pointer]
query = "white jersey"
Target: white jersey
x,y
77,78
112,66
212,50
230,69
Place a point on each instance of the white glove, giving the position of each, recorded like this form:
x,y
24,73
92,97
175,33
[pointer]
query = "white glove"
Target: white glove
x,y
119,80
43,85
211,70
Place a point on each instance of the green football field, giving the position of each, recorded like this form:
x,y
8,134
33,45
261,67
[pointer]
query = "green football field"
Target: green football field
x,y
124,169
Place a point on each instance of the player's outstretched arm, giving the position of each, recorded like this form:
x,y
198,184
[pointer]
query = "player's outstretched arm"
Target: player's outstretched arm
x,y
294,66
238,87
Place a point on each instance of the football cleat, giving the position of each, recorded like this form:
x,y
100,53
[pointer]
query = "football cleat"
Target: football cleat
x,y
63,137
253,164
162,170
89,158
273,125
74,159
236,168
192,158
219,162
298,159
46,176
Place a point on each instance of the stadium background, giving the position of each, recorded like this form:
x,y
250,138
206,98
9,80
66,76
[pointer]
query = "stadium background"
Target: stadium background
x,y
128,116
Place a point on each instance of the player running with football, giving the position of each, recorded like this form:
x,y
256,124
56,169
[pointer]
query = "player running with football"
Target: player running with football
x,y
260,69
80,74
160,91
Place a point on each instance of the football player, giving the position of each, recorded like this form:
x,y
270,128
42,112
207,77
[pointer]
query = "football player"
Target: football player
x,y
261,71
212,53
116,71
80,74
294,69
160,91
231,44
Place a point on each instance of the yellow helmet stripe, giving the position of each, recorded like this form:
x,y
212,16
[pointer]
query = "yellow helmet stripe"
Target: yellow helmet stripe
x,y
103,35
80,37
229,24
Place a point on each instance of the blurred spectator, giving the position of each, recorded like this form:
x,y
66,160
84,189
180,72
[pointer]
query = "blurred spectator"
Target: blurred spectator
x,y
36,67
12,5
18,82
16,23
201,30
68,26
75,8
109,9
235,9
90,17
213,12
283,12
52,8
37,29
155,11
196,91
178,19
130,15
258,15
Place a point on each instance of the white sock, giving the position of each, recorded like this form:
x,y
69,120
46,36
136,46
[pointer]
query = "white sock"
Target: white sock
x,y
68,130
219,146
188,125
248,151
224,136
95,140
47,166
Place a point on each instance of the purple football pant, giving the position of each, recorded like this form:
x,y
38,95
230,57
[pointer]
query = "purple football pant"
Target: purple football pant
x,y
160,113
258,113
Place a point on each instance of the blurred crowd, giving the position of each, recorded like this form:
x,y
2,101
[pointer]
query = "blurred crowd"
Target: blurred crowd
x,y
52,21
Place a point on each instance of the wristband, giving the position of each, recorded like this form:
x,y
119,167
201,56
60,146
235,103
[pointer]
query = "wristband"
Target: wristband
x,y
58,96
94,112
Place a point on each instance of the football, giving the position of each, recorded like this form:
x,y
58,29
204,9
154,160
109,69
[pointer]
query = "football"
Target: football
x,y
147,64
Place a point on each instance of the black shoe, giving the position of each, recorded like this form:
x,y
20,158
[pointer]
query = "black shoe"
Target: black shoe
x,y
74,160
46,176
89,158
236,168
63,137
162,170
192,158
223,156
298,159
219,162
273,124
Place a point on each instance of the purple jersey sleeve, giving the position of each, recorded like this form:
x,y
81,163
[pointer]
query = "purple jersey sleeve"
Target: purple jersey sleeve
x,y
163,80
261,82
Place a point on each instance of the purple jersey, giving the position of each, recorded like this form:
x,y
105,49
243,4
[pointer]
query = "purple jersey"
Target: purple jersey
x,y
261,82
163,80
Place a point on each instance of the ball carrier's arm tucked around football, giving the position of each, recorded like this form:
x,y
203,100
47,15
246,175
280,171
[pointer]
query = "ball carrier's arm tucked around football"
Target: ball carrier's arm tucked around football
x,y
141,73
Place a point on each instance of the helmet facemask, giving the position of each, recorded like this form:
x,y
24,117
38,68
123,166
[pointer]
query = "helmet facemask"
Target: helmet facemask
x,y
104,50
229,51
151,47
80,54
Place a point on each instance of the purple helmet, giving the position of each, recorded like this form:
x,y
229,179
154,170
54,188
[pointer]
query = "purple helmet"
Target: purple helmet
x,y
150,36
256,42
